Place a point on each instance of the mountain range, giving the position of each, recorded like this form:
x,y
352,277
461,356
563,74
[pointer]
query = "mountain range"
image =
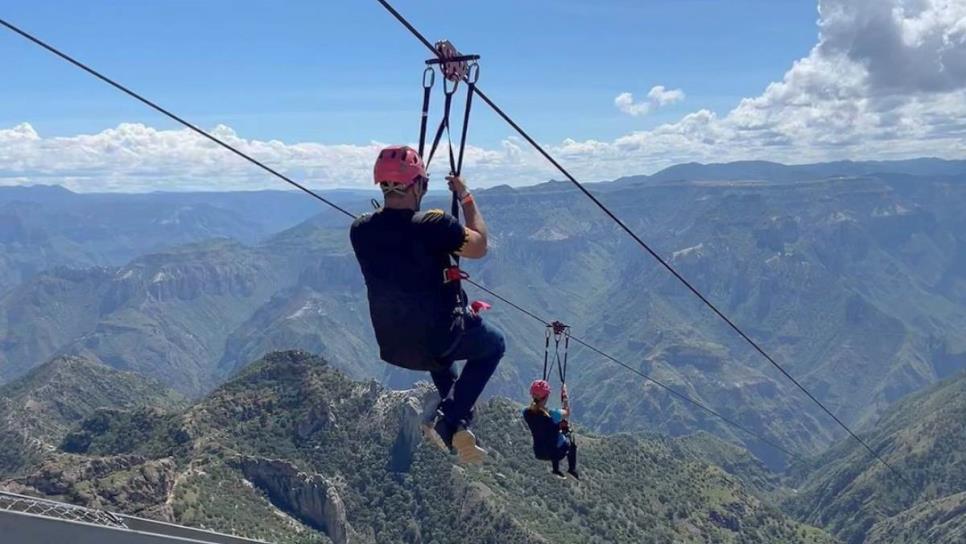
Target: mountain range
x,y
855,281
43,227
777,172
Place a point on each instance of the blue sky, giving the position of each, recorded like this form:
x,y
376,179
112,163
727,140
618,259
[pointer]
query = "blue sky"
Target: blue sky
x,y
344,73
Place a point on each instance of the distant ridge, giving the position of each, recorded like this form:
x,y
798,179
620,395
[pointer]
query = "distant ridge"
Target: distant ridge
x,y
749,170
49,194
777,172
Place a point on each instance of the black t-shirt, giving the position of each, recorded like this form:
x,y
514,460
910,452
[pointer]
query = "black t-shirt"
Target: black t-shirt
x,y
402,254
545,428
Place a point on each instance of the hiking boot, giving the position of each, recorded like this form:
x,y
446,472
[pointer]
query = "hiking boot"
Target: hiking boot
x,y
440,432
574,474
464,442
559,475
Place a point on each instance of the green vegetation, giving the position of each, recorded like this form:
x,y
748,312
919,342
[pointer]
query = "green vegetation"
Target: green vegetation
x,y
147,431
634,489
736,461
940,521
292,451
37,411
924,438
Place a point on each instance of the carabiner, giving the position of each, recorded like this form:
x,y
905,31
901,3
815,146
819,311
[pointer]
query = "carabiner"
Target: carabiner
x,y
429,77
473,73
447,90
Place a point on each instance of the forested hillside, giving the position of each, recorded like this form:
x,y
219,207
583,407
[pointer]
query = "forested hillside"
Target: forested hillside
x,y
924,438
293,451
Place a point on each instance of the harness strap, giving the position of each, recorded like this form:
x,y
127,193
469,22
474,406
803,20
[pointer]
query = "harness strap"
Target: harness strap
x,y
455,165
429,78
563,367
546,355
560,334
443,124
473,74
452,274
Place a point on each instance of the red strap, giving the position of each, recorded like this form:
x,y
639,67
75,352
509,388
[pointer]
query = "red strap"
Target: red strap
x,y
479,306
453,273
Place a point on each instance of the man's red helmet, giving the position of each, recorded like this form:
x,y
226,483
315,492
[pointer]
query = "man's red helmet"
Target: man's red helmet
x,y
399,164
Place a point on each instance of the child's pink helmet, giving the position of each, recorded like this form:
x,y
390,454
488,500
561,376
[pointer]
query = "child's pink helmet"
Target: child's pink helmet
x,y
540,389
399,164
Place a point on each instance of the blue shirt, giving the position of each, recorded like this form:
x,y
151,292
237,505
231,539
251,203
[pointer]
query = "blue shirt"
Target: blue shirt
x,y
557,417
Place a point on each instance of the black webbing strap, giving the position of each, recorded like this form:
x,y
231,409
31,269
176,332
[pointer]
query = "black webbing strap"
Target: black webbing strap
x,y
470,91
546,355
562,366
455,162
443,125
453,273
456,166
560,333
427,92
455,210
462,299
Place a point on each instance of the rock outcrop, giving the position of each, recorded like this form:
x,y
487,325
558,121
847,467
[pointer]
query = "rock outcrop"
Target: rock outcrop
x,y
417,408
310,498
128,483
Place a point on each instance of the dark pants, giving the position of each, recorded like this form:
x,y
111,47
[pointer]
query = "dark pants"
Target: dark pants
x,y
570,452
482,347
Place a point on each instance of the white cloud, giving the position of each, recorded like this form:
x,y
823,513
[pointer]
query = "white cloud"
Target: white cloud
x,y
138,158
886,80
625,103
658,97
904,45
665,97
135,157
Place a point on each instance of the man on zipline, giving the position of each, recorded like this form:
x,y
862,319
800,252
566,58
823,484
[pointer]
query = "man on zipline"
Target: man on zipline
x,y
419,316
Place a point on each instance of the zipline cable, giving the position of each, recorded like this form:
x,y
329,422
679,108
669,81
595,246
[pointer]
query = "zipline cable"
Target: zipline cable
x,y
499,111
331,204
170,115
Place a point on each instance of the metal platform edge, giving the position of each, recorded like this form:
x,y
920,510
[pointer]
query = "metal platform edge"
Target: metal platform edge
x,y
20,527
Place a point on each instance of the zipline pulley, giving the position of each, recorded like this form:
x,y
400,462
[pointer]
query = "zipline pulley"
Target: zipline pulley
x,y
454,66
